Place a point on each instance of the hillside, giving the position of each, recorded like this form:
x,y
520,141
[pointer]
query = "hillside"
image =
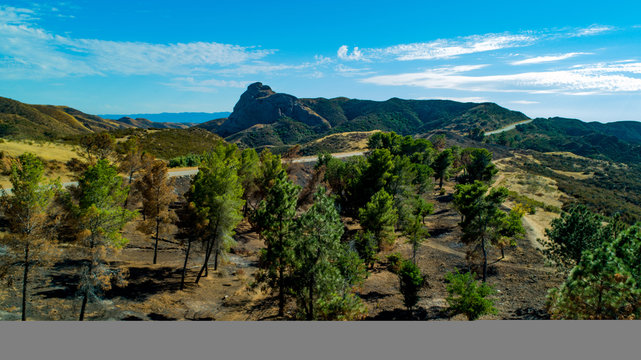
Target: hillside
x,y
616,141
263,117
48,122
19,120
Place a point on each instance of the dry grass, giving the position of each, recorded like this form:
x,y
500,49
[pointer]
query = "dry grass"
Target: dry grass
x,y
574,174
45,150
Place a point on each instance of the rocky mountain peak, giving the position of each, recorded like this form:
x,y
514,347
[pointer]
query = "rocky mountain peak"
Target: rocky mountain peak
x,y
259,104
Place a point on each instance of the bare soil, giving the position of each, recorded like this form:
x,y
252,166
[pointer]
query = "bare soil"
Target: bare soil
x,y
152,293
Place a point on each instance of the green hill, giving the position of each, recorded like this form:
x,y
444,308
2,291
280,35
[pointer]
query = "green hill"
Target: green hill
x,y
22,121
263,117
616,141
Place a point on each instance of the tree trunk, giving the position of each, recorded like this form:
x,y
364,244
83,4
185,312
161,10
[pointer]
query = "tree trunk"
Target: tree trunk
x,y
156,245
204,267
216,258
440,184
84,306
484,259
281,291
24,282
182,279
310,314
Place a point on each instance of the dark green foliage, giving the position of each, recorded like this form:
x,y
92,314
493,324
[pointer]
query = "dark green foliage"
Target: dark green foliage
x,y
216,193
480,166
274,219
574,232
411,282
27,210
366,246
414,226
284,131
441,166
606,283
189,160
619,141
379,216
468,296
171,143
100,217
325,269
483,222
476,133
374,177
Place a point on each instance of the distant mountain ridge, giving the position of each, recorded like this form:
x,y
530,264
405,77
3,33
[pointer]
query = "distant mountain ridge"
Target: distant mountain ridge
x,y
20,120
263,117
147,124
191,118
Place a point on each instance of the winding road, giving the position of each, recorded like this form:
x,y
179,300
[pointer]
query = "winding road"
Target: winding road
x,y
194,170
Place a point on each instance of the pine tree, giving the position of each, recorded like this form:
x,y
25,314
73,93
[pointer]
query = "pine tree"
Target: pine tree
x,y
483,222
411,282
216,193
441,166
248,172
574,232
480,166
379,216
275,221
27,209
414,228
467,296
157,191
100,217
325,269
606,283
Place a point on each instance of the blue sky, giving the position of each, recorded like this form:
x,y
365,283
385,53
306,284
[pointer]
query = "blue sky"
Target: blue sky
x,y
544,58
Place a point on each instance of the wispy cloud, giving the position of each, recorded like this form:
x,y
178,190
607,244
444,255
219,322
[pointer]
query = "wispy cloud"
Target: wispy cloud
x,y
350,71
474,99
204,85
438,49
549,58
583,80
592,30
524,102
455,47
34,52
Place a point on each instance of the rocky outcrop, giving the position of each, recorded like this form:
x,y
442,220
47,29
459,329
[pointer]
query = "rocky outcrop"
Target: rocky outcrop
x,y
260,105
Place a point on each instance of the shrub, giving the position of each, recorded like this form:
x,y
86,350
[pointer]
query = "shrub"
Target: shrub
x,y
394,260
411,282
467,296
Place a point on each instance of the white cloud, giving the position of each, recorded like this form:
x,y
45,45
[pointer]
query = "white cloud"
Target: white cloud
x,y
438,49
34,52
549,58
592,30
586,80
15,16
524,102
474,99
350,71
448,48
204,85
342,53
